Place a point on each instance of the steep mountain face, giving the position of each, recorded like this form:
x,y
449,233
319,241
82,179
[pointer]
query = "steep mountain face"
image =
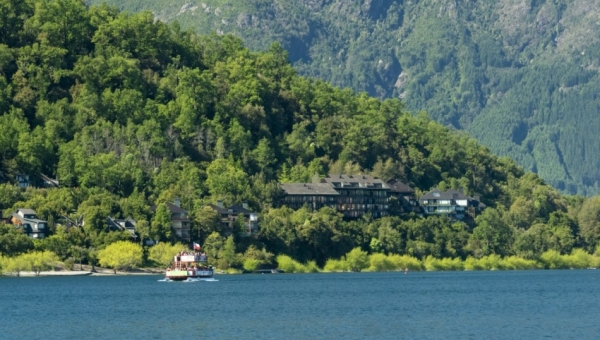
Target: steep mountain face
x,y
519,75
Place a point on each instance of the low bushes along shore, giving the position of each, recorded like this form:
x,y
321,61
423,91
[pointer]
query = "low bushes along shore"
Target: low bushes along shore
x,y
358,260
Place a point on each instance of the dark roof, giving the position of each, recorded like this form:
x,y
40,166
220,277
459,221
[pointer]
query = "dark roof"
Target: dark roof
x,y
232,210
308,189
128,223
355,181
115,225
49,181
175,209
241,209
172,208
477,203
447,195
218,209
397,186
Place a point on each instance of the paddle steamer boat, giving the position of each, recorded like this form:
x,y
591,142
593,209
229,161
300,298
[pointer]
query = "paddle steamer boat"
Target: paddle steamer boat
x,y
190,266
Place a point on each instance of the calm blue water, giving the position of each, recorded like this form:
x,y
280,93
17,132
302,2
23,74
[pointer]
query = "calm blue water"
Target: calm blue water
x,y
445,305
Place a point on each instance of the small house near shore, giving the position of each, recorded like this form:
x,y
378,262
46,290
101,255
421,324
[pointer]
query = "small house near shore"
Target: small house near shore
x,y
27,220
127,225
452,203
180,220
236,214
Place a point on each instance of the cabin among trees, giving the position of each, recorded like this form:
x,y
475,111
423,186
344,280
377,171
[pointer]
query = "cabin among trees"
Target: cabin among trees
x,y
27,220
451,203
179,219
127,224
352,195
357,195
236,215
402,198
25,181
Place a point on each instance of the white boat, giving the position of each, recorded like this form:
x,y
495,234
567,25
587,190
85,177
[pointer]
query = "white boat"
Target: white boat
x,y
190,266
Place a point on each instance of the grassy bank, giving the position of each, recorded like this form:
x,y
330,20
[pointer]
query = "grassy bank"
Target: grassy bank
x,y
358,260
355,261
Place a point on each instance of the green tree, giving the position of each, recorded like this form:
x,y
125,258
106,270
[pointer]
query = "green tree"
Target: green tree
x,y
277,231
40,261
160,229
224,178
80,253
589,222
121,255
206,222
16,265
9,195
142,229
357,260
57,244
264,156
213,246
164,252
253,258
533,242
13,241
229,257
492,234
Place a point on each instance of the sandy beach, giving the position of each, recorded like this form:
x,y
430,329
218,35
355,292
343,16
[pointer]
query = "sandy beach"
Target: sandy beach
x,y
52,273
88,272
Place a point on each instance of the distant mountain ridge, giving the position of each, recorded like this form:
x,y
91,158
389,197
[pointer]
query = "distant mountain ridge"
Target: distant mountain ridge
x,y
519,75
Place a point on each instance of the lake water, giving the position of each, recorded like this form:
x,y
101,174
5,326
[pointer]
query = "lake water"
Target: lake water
x,y
561,304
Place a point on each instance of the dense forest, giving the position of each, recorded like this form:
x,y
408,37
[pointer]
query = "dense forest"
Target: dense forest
x,y
521,76
127,111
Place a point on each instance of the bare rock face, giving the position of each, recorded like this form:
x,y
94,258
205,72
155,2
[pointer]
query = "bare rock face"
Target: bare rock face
x,y
188,7
387,68
574,25
448,8
244,20
513,21
547,18
579,26
402,78
314,5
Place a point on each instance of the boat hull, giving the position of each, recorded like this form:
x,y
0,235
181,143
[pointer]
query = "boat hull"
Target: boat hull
x,y
182,275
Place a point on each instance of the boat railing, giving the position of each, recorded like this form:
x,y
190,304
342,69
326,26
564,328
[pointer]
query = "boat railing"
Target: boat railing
x,y
190,258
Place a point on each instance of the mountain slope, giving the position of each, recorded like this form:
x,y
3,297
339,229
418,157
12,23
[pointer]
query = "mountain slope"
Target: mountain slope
x,y
128,113
519,75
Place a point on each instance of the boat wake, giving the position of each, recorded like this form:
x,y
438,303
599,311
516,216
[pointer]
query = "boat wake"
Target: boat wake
x,y
198,280
189,280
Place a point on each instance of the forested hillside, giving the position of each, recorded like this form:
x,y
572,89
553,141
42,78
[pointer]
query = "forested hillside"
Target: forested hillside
x,y
127,111
519,75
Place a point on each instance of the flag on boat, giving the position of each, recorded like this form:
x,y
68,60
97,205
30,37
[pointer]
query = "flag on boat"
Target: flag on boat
x,y
196,246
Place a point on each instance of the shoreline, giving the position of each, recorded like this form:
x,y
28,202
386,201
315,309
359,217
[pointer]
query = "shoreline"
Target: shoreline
x,y
98,272
74,273
50,273
108,273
